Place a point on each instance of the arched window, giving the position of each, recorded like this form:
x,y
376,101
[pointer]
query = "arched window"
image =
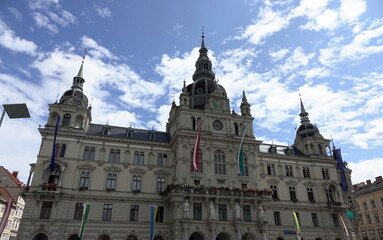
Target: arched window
x,y
57,149
200,162
289,171
245,166
160,184
270,169
320,150
219,162
141,159
84,180
73,237
236,131
136,157
114,155
40,236
62,150
79,120
293,196
136,183
275,191
159,159
111,182
193,123
165,160
54,176
92,152
66,120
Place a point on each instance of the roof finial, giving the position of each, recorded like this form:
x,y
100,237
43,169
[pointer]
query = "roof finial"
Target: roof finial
x,y
203,38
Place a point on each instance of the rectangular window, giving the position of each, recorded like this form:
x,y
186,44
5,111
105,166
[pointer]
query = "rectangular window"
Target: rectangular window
x,y
368,219
160,214
310,195
364,205
78,211
293,196
335,220
373,204
246,213
277,218
275,192
197,211
376,216
222,212
314,217
46,209
107,212
134,210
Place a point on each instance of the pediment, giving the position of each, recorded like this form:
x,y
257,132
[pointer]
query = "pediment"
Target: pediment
x,y
330,182
62,164
291,182
162,172
86,166
137,170
112,169
272,181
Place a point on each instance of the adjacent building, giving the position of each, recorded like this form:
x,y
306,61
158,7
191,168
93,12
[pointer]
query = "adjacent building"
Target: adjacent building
x,y
123,171
369,198
10,191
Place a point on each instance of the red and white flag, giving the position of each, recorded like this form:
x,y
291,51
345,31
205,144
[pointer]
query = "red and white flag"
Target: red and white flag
x,y
197,149
4,220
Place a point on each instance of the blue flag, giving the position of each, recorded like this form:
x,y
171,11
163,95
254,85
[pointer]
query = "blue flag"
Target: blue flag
x,y
153,214
52,165
338,157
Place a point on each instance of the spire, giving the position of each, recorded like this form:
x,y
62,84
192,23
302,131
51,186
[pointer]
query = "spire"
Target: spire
x,y
304,115
244,99
203,65
78,80
245,106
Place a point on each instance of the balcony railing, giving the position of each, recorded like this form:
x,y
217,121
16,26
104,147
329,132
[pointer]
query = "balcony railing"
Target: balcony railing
x,y
219,191
49,188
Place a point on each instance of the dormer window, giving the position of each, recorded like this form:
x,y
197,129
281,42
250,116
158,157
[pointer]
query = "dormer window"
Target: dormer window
x,y
129,134
152,136
272,149
105,131
66,120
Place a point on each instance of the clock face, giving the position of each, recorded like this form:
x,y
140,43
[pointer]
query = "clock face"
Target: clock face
x,y
217,125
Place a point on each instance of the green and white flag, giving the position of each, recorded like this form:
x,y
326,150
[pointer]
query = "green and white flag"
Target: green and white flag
x,y
241,167
84,219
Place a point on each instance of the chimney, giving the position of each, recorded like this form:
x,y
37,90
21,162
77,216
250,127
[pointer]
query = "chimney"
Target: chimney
x,y
378,179
368,182
15,173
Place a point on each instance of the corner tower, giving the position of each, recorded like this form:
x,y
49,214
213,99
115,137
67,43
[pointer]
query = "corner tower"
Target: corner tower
x,y
75,115
308,140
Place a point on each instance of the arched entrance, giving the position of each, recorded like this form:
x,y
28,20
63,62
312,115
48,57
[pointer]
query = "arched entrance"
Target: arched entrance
x,y
158,238
223,236
279,238
196,236
132,237
248,236
40,236
104,237
73,237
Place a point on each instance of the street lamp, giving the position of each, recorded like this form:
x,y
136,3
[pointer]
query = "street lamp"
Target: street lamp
x,y
19,110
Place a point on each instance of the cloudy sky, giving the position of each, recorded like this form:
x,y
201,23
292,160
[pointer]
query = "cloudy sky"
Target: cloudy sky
x,y
140,52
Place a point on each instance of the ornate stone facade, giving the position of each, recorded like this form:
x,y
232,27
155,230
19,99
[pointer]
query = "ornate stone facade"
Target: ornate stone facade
x,y
122,172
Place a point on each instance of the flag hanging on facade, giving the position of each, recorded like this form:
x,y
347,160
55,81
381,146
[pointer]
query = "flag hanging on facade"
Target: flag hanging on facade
x,y
350,214
241,164
338,157
197,149
344,225
52,165
4,219
84,219
153,215
298,227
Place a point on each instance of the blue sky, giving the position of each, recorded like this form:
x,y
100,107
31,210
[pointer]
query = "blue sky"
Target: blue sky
x,y
140,52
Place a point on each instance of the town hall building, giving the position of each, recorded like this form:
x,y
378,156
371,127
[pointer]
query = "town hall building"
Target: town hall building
x,y
121,172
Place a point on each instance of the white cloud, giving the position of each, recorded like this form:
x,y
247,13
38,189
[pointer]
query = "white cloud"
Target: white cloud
x,y
16,13
14,43
350,10
267,23
362,170
43,4
96,50
64,18
278,55
178,29
296,60
317,72
42,21
103,12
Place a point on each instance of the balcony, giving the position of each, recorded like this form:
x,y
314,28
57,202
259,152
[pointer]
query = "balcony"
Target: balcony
x,y
49,188
182,189
335,205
